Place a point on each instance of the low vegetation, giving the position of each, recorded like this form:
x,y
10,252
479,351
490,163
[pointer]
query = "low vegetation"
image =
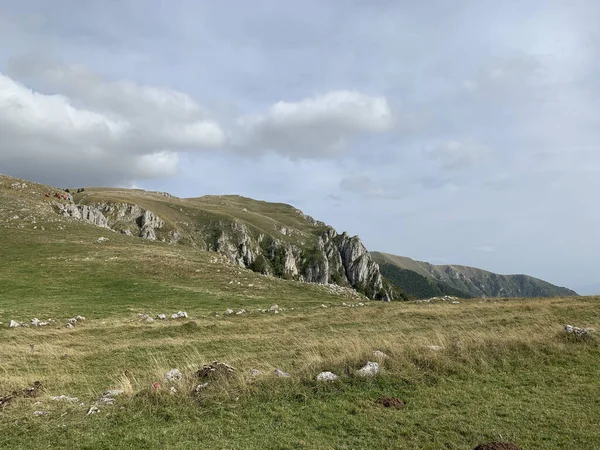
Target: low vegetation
x,y
453,375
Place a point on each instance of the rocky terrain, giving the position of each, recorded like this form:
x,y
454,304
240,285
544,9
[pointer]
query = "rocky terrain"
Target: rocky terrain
x,y
469,281
273,239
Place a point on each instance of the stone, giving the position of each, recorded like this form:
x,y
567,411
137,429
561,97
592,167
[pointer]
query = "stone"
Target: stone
x,y
93,410
112,393
327,376
435,348
379,354
72,321
228,312
182,315
368,370
35,322
215,369
274,308
241,311
80,318
102,239
161,316
281,374
455,302
14,324
149,319
579,332
173,375
70,325
65,398
200,387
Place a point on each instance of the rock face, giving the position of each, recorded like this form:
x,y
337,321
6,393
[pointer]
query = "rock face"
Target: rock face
x,y
274,239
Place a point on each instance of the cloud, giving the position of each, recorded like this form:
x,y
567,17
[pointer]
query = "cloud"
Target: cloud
x,y
315,127
363,185
507,75
456,155
111,132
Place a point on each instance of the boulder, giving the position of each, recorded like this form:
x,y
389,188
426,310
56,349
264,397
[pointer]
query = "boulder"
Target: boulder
x,y
182,315
228,312
14,324
281,374
327,376
161,316
173,375
368,370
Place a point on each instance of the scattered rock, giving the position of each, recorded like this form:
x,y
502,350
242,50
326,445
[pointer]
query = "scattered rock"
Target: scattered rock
x,y
241,311
174,316
379,354
70,325
323,305
455,302
215,369
40,413
149,319
80,318
72,321
228,311
182,314
274,308
64,398
93,410
101,240
161,316
173,375
369,370
435,348
327,376
14,324
390,402
200,388
498,446
580,332
281,373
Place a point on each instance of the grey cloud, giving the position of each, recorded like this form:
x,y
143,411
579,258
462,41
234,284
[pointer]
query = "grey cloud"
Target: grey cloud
x,y
455,155
362,185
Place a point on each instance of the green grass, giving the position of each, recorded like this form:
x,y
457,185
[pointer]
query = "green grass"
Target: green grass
x,y
504,371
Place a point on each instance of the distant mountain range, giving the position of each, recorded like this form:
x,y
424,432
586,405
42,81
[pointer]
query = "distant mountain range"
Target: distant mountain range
x,y
421,279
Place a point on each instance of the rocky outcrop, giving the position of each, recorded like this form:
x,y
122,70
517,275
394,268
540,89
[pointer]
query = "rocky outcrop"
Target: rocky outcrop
x,y
87,213
149,223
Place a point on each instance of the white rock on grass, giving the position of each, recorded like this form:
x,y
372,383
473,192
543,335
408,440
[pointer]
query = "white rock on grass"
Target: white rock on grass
x,y
182,315
274,308
379,354
241,311
570,329
72,320
149,319
80,318
93,410
161,316
173,375
368,370
281,373
228,311
327,376
174,316
14,324
64,398
200,387
70,325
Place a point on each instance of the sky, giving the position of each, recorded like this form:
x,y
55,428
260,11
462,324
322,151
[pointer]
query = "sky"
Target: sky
x,y
451,131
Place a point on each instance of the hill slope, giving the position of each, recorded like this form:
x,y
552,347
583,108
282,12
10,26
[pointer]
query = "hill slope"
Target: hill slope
x,y
270,238
469,281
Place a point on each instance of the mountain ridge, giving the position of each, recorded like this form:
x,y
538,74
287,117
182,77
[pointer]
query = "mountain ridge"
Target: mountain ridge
x,y
472,281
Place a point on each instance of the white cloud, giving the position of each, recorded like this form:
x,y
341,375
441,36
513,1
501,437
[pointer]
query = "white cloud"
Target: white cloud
x,y
114,132
315,127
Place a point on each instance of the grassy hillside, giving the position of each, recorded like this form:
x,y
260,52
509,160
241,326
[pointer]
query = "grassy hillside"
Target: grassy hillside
x,y
416,285
472,372
469,281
